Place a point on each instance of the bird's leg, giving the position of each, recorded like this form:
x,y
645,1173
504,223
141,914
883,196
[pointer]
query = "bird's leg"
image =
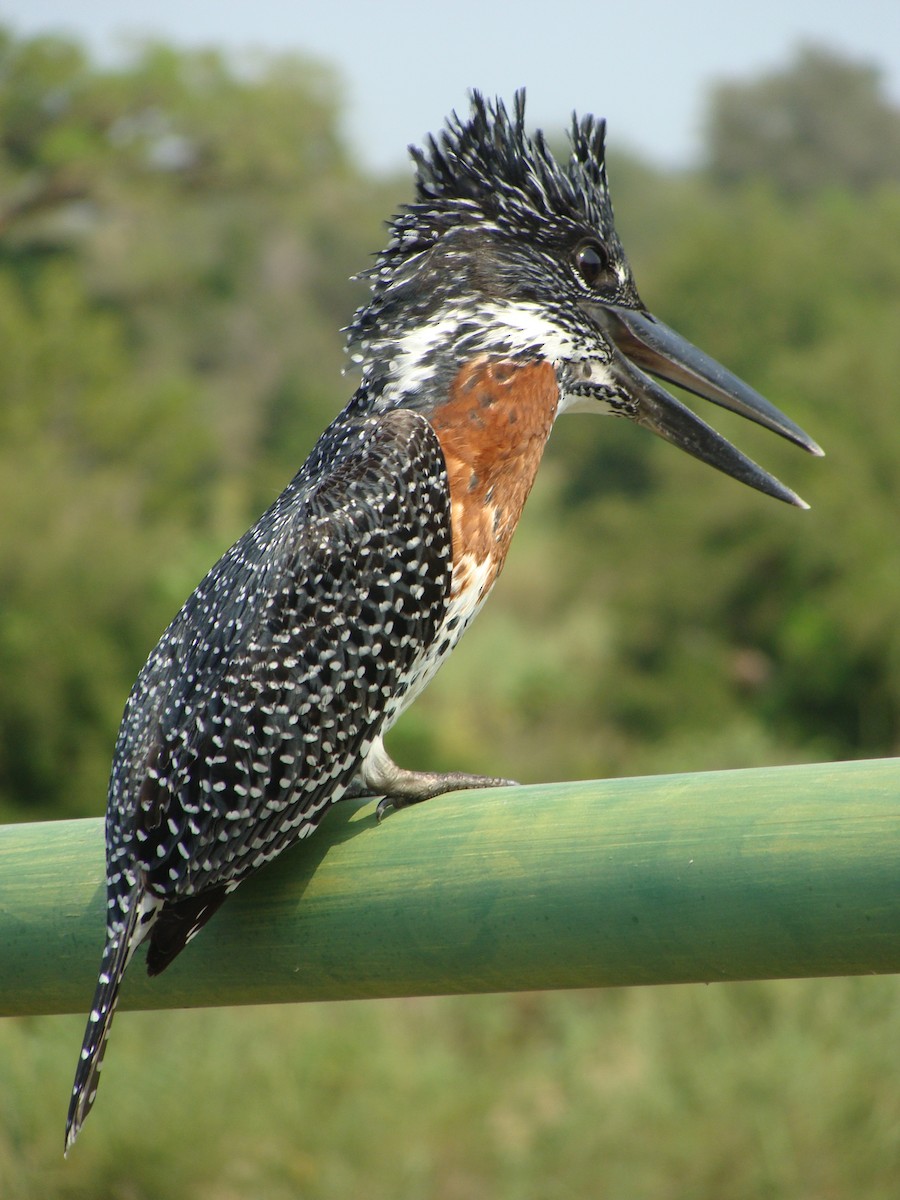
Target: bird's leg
x,y
380,776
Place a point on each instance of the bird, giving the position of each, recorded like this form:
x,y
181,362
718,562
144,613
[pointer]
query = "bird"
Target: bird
x,y
502,300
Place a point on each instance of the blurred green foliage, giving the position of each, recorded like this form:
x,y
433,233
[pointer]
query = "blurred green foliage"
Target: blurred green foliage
x,y
176,241
822,121
177,236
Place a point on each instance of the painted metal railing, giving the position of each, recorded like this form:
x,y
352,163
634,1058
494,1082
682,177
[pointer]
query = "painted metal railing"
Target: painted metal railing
x,y
756,874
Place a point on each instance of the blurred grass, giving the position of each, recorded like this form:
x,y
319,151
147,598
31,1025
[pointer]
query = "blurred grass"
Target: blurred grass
x,y
749,1091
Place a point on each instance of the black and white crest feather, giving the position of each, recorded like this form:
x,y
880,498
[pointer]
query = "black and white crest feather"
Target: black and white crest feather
x,y
489,169
485,174
490,163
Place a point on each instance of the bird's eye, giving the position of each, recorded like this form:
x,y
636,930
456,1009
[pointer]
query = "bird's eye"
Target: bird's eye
x,y
591,263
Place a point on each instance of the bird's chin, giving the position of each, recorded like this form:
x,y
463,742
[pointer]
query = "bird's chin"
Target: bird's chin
x,y
599,400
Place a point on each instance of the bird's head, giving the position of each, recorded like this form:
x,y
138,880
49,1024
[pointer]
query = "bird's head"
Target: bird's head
x,y
506,253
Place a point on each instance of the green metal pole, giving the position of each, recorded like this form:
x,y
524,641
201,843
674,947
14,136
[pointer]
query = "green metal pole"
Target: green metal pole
x,y
762,874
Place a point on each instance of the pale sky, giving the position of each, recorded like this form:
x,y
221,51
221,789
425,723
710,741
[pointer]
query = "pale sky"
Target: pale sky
x,y
646,65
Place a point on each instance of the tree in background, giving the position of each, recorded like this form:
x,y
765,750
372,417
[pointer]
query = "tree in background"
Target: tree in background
x,y
822,121
176,237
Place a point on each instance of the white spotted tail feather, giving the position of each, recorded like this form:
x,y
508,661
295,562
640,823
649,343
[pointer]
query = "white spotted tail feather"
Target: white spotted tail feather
x,y
122,939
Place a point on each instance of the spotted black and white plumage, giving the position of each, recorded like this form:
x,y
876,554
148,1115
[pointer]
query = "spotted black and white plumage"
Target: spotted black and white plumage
x,y
502,299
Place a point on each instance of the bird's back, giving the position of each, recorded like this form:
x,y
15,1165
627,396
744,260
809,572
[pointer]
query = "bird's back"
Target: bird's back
x,y
268,688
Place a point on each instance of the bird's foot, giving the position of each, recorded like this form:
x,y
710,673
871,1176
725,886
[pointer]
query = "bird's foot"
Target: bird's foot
x,y
412,787
398,788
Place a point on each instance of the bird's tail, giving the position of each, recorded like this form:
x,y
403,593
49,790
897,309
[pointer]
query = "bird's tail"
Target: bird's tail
x,y
123,938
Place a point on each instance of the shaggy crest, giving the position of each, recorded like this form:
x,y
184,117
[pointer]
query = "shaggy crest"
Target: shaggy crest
x,y
491,162
488,171
488,167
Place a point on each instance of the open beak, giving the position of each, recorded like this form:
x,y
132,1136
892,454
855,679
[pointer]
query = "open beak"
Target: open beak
x,y
642,344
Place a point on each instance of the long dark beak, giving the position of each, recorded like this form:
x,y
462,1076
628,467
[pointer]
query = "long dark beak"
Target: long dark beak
x,y
643,344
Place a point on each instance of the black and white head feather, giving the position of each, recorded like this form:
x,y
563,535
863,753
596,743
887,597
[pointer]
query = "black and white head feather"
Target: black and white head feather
x,y
488,168
487,175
